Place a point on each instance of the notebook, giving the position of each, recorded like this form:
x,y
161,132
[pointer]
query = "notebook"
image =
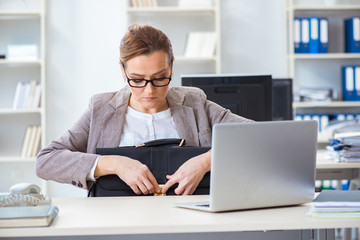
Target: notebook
x,y
27,216
261,164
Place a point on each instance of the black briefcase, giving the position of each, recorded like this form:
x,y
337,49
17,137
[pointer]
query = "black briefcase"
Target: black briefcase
x,y
160,156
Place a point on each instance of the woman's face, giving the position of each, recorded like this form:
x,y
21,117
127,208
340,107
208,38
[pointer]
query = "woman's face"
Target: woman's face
x,y
148,99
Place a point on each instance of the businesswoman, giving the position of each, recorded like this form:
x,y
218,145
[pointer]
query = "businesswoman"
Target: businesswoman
x,y
145,110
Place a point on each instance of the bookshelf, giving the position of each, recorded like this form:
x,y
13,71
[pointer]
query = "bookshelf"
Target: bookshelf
x,y
322,70
177,21
22,22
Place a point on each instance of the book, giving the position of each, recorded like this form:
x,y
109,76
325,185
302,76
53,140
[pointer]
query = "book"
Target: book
x,y
31,142
352,35
297,35
324,35
27,95
25,145
348,82
200,44
336,204
314,40
29,216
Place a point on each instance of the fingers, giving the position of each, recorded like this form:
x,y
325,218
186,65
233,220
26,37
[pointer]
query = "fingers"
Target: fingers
x,y
169,183
153,183
138,177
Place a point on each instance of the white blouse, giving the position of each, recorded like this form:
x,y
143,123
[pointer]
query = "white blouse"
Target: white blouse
x,y
141,127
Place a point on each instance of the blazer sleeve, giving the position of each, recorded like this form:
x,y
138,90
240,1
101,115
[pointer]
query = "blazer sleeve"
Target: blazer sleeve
x,y
65,159
218,114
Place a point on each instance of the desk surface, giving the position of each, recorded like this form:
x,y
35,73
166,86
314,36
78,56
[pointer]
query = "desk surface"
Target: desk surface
x,y
146,215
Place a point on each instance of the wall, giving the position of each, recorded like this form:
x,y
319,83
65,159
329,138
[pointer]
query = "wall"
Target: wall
x,y
82,53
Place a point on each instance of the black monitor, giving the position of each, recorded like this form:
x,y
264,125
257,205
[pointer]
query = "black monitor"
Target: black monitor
x,y
249,96
282,99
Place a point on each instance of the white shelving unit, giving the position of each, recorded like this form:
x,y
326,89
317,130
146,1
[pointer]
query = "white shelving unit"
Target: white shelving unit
x,y
21,22
324,69
177,22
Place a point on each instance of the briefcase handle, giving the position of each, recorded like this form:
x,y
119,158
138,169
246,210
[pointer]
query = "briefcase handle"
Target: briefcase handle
x,y
163,142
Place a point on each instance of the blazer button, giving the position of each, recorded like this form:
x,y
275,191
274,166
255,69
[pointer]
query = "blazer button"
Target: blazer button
x,y
80,185
73,183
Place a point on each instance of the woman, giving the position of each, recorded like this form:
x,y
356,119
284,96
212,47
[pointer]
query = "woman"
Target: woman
x,y
145,110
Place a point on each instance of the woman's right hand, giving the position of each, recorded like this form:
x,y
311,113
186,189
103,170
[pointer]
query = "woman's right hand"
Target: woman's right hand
x,y
135,174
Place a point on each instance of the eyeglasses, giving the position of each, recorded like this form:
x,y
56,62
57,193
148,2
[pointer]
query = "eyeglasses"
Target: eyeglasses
x,y
140,83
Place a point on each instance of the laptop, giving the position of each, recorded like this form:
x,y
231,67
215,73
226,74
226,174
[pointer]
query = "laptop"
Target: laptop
x,y
261,164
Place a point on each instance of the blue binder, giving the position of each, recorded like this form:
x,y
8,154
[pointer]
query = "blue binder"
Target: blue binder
x,y
348,75
305,38
324,35
352,35
357,82
314,40
297,35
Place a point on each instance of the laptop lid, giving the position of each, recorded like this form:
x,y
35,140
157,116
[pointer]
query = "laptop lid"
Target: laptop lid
x,y
262,164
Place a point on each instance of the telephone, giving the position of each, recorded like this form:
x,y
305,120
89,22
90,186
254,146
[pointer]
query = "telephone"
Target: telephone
x,y
23,194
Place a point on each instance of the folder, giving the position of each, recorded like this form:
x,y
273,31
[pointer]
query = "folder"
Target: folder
x,y
340,117
297,35
314,40
352,35
357,82
324,35
348,83
324,121
305,38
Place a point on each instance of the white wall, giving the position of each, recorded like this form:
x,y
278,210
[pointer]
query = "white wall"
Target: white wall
x,y
82,53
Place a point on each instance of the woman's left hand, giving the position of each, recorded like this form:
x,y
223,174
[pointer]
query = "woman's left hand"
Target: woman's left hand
x,y
189,175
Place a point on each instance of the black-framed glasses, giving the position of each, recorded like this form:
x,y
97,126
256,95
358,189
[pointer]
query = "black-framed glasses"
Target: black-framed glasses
x,y
140,83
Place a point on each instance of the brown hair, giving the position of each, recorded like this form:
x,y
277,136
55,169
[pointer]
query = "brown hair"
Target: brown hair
x,y
144,40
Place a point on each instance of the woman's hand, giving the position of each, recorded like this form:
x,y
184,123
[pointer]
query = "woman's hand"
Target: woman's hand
x,y
135,174
189,175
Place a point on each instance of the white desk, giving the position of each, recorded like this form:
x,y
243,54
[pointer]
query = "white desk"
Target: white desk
x,y
136,216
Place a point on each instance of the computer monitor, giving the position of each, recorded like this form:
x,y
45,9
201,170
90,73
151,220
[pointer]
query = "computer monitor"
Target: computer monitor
x,y
249,96
282,99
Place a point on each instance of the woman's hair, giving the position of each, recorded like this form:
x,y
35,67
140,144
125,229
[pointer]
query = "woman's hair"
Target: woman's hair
x,y
144,40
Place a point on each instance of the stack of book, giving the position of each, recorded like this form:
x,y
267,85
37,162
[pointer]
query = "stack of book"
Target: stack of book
x,y
200,45
31,142
143,3
29,216
27,95
345,146
309,94
336,204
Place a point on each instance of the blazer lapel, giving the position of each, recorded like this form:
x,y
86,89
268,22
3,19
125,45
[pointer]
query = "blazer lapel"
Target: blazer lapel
x,y
184,118
113,119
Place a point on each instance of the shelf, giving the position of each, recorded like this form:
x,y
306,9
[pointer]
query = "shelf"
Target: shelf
x,y
327,8
168,10
329,56
19,62
20,14
20,110
333,104
16,159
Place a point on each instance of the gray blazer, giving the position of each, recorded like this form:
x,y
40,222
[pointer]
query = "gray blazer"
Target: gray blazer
x,y
69,158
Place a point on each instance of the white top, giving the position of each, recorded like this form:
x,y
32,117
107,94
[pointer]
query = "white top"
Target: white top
x,y
155,215
141,127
